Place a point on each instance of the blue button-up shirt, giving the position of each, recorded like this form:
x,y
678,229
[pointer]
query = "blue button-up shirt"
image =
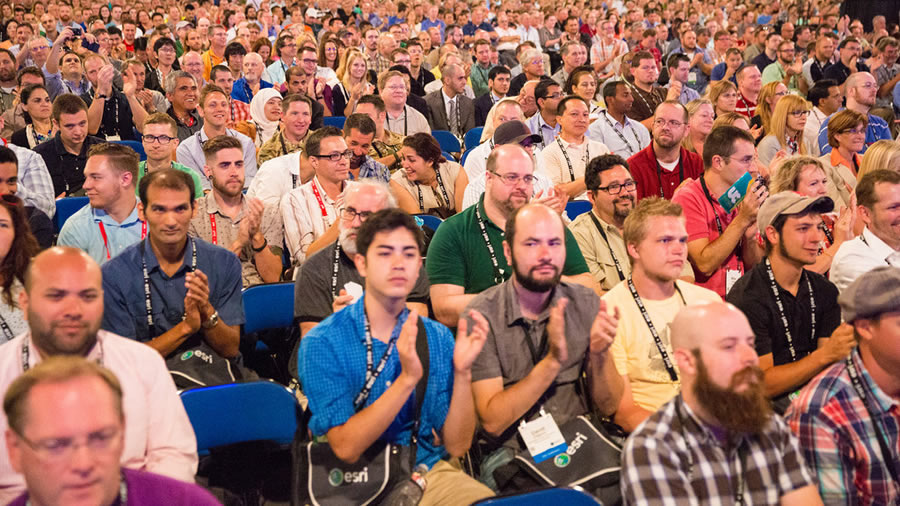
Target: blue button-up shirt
x,y
332,368
241,90
124,311
877,130
538,126
82,230
372,169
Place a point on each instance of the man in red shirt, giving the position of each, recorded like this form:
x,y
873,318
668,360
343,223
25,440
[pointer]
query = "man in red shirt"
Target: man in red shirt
x,y
662,166
749,81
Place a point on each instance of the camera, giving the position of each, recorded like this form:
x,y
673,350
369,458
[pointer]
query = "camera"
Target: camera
x,y
76,32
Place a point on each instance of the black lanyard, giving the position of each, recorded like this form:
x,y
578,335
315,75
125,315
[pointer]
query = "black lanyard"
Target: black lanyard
x,y
680,176
882,440
440,181
639,93
608,245
780,306
498,272
670,368
26,353
372,374
335,268
147,301
631,150
7,332
537,353
586,157
405,123
115,125
712,203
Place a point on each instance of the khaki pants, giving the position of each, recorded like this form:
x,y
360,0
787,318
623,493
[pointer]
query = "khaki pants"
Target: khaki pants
x,y
447,484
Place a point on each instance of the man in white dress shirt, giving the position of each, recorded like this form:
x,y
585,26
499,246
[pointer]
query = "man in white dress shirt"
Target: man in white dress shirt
x,y
621,134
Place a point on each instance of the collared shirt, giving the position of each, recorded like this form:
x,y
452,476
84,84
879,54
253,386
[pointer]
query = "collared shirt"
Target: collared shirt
x,y
624,140
656,462
840,72
304,219
479,79
600,51
877,130
837,433
227,231
687,93
370,169
476,168
507,354
242,91
190,154
188,129
240,111
277,146
538,126
814,70
599,253
195,176
561,169
277,71
66,170
56,85
561,76
35,187
459,256
124,306
158,435
275,178
652,178
332,368
813,125
432,196
392,144
859,256
645,103
409,122
82,230
776,72
745,106
210,60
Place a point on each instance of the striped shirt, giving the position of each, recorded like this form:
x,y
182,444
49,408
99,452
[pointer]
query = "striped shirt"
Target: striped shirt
x,y
838,437
745,107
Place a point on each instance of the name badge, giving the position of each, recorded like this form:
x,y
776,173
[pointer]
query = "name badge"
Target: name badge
x,y
731,277
113,138
692,77
542,437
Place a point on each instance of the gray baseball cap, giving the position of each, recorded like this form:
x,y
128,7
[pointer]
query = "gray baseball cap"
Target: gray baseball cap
x,y
788,202
872,294
514,132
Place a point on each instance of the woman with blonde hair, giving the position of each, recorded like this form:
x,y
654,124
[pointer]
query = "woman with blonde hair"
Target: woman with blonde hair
x,y
807,176
352,72
700,125
785,132
847,138
884,154
732,119
765,107
723,95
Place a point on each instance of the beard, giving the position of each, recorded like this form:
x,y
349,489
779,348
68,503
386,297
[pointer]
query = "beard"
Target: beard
x,y
533,284
347,243
621,213
222,187
746,412
47,336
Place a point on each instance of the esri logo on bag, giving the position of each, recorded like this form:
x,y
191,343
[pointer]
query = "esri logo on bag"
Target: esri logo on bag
x,y
562,460
336,477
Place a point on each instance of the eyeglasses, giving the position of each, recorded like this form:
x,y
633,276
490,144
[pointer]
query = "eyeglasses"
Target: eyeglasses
x,y
308,60
349,214
514,179
799,114
162,139
672,123
63,448
336,157
616,188
853,131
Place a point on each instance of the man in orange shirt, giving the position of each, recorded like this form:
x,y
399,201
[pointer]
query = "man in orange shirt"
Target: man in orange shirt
x,y
216,54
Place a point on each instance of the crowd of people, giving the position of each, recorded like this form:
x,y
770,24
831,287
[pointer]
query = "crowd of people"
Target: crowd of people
x,y
727,300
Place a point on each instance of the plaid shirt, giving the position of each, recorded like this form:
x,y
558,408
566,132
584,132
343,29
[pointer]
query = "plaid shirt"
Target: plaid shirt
x,y
656,462
374,170
240,111
838,437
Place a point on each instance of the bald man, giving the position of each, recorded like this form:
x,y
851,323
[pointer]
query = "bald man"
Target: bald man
x,y
717,442
63,300
251,82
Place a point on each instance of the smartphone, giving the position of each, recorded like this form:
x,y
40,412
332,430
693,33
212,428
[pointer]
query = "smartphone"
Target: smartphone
x,y
76,31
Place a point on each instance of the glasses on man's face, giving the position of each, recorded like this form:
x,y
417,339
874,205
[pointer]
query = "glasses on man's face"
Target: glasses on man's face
x,y
616,188
349,214
514,179
162,139
799,114
336,157
63,448
556,95
672,123
309,61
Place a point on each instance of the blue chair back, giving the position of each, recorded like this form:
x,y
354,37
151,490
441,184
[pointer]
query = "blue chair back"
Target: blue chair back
x,y
241,412
473,137
462,159
447,140
567,496
65,208
268,306
433,222
448,156
577,207
136,146
335,121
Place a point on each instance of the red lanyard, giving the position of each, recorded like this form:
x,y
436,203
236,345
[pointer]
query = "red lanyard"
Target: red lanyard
x,y
212,226
106,241
315,190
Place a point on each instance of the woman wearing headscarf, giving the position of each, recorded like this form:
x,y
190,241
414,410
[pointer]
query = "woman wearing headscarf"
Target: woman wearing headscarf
x,y
265,114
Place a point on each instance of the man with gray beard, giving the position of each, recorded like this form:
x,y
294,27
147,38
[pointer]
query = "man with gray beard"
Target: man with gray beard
x,y
329,280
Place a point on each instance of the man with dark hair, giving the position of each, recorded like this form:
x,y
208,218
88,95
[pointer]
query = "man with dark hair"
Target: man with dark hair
x,y
14,117
63,70
221,76
787,69
110,223
722,244
294,129
679,66
792,310
565,159
234,59
297,82
38,221
498,84
66,154
719,420
826,98
171,291
419,74
286,49
359,133
7,79
165,51
389,255
647,94
850,51
621,134
387,144
814,68
547,94
215,55
245,226
769,53
878,197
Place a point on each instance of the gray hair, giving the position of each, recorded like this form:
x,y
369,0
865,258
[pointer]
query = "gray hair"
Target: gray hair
x,y
529,54
378,185
173,78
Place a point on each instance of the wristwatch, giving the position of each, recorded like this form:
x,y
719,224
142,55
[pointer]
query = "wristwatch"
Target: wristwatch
x,y
101,95
212,321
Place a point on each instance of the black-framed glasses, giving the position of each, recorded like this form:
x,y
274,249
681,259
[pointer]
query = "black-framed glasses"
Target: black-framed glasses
x,y
162,139
513,179
336,157
616,188
349,214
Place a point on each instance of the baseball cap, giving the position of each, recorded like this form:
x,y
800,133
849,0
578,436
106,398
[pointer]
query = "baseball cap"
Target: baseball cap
x,y
314,13
514,132
183,24
788,202
872,294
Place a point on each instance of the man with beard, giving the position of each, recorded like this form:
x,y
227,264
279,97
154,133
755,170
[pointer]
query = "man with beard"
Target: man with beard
x,y
853,401
647,302
464,257
359,133
7,79
321,289
245,226
718,440
513,379
662,166
648,95
621,134
63,301
792,310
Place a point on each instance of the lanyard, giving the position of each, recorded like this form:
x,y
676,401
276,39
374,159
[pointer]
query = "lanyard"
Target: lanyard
x,y
440,182
608,245
318,196
26,353
7,332
882,440
335,268
536,354
106,241
659,344
372,375
784,320
631,150
639,93
712,203
498,272
147,302
405,122
212,226
587,155
680,178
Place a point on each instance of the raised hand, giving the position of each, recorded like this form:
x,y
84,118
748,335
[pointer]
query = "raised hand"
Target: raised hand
x,y
469,344
410,365
556,332
197,285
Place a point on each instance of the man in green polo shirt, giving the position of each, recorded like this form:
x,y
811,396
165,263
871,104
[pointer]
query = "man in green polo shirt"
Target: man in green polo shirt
x,y
160,141
466,255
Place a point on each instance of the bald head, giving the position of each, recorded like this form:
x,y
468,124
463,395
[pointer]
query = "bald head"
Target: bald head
x,y
701,324
58,260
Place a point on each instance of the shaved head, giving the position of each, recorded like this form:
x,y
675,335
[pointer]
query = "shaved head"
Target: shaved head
x,y
43,265
700,324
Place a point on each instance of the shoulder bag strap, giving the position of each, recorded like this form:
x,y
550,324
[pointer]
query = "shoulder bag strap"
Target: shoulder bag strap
x,y
424,357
